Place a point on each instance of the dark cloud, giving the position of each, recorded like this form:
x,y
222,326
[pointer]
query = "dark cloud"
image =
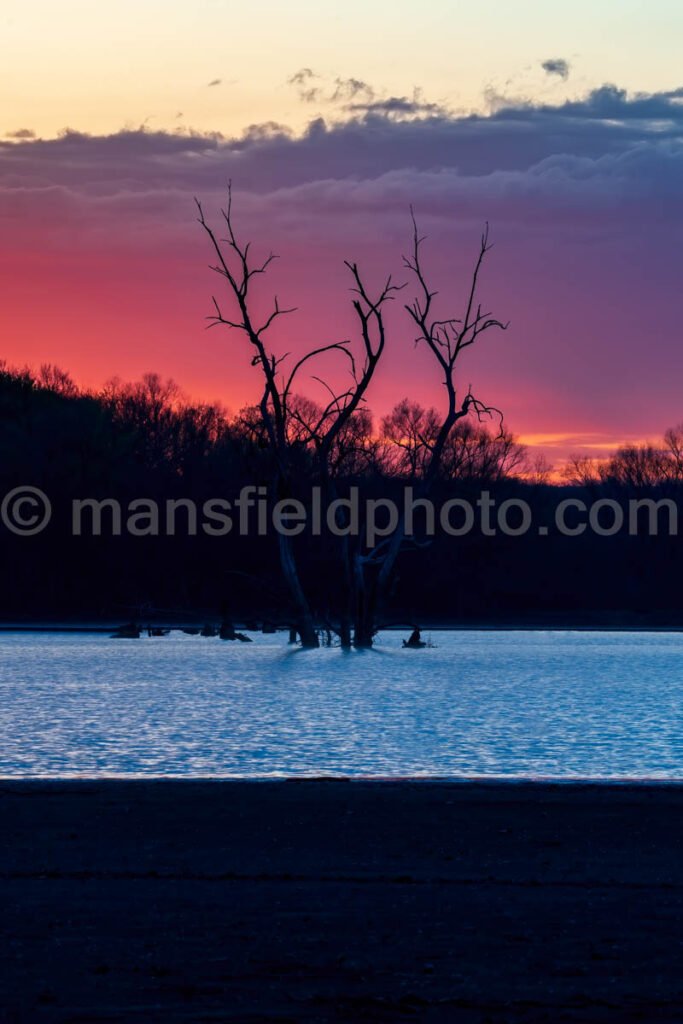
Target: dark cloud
x,y
610,102
355,97
349,89
302,77
582,158
303,80
398,106
557,66
584,197
313,88
21,133
215,81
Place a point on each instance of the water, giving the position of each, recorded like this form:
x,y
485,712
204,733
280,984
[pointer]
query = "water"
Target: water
x,y
514,704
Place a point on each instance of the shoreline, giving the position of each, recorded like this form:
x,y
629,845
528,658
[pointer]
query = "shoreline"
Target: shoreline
x,y
327,900
497,627
77,780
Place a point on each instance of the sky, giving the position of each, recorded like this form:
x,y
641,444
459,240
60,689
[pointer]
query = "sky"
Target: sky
x,y
559,123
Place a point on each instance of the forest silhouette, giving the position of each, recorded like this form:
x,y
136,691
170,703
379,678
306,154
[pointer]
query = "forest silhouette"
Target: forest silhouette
x,y
146,439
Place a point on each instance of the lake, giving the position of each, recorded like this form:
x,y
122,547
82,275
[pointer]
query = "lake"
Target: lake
x,y
517,704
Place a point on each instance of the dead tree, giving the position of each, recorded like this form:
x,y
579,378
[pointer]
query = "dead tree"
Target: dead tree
x,y
446,339
333,427
281,409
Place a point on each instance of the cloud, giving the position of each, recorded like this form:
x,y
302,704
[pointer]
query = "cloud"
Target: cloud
x,y
607,165
349,89
557,66
584,196
314,88
353,96
303,81
399,107
602,150
21,133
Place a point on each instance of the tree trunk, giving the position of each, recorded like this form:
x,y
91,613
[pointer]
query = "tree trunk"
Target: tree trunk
x,y
371,586
363,635
364,605
345,632
304,618
346,558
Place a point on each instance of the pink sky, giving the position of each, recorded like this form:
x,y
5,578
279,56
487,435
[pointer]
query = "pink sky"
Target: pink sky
x,y
103,268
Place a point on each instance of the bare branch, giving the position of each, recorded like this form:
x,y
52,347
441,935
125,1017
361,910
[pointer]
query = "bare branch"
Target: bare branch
x,y
446,338
339,346
277,311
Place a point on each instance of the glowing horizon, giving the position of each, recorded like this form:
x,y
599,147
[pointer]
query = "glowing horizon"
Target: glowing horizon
x,y
103,269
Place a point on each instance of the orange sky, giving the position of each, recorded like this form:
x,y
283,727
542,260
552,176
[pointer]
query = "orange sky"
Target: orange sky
x,y
103,269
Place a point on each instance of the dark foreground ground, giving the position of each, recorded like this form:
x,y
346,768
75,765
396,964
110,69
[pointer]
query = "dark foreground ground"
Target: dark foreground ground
x,y
340,901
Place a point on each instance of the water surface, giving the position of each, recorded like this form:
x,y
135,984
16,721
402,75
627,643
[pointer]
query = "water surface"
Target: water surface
x,y
515,704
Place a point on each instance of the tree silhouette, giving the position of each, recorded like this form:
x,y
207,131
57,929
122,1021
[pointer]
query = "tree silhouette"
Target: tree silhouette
x,y
288,421
430,433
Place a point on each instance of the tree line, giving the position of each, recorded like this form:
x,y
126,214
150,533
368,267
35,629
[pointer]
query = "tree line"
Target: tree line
x,y
146,438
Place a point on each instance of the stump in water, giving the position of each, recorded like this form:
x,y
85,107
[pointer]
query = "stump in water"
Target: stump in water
x,y
415,640
227,630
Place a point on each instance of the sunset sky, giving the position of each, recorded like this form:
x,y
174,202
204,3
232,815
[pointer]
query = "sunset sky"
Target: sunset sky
x,y
559,122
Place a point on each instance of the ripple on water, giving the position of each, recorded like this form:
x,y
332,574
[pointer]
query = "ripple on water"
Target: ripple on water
x,y
518,704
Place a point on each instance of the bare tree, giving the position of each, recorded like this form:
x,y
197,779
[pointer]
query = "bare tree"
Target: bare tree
x,y
53,378
639,466
538,470
673,441
581,471
446,338
409,432
288,421
635,465
472,451
337,431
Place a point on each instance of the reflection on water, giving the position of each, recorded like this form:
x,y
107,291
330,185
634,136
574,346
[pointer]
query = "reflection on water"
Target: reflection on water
x,y
545,704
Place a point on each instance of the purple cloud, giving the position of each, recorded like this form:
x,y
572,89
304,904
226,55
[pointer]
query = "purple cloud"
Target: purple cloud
x,y
557,66
21,133
584,197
